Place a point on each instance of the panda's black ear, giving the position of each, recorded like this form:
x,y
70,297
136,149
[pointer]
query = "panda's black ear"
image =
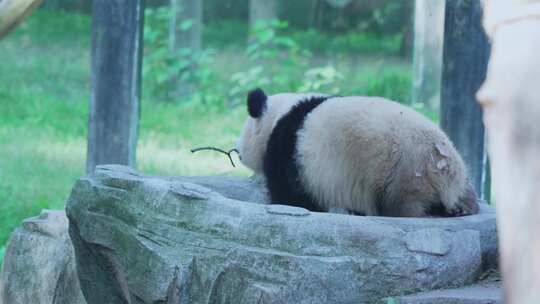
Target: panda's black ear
x,y
256,103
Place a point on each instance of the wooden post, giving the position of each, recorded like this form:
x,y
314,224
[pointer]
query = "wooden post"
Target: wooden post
x,y
117,27
511,106
465,57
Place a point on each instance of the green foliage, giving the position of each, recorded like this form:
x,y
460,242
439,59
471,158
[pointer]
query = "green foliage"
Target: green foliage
x,y
232,34
160,65
366,43
268,45
322,79
354,42
244,81
172,74
383,18
269,42
61,27
225,33
277,58
394,84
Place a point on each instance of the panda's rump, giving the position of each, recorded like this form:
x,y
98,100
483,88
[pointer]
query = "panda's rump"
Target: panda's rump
x,y
372,156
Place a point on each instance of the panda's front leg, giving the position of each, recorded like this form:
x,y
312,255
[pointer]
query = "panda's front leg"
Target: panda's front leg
x,y
466,204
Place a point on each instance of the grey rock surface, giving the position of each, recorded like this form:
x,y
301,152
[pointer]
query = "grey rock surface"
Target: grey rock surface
x,y
485,293
39,266
145,239
237,188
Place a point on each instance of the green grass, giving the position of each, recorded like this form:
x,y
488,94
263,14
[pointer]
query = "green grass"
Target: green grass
x,y
42,110
44,93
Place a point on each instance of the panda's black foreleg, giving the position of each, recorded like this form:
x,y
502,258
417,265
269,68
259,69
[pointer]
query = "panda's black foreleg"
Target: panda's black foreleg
x,y
281,164
295,198
286,190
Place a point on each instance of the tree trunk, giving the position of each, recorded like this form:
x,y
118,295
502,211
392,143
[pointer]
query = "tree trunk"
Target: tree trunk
x,y
465,57
186,25
511,104
261,10
13,12
117,27
428,51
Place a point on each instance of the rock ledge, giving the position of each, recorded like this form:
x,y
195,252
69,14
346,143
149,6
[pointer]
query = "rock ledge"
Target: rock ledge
x,y
144,239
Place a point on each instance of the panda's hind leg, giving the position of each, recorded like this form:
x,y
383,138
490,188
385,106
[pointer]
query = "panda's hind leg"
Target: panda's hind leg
x,y
466,204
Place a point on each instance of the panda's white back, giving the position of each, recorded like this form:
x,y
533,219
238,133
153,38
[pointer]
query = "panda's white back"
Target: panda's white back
x,y
352,149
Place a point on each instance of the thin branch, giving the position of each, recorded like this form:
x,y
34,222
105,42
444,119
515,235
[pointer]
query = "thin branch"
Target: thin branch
x,y
228,153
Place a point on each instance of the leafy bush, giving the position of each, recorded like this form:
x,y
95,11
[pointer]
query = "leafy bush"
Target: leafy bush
x,y
223,34
394,84
268,41
164,70
46,26
353,42
232,34
324,79
160,65
366,43
383,17
277,61
277,58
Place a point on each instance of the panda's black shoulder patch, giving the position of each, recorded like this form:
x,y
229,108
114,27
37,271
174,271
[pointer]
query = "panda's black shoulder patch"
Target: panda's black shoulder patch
x,y
280,168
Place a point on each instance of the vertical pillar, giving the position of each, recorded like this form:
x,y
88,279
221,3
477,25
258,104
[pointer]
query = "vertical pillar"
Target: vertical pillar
x,y
117,28
465,58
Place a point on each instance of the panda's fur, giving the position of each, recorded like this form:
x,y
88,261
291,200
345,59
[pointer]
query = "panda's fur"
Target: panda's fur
x,y
367,155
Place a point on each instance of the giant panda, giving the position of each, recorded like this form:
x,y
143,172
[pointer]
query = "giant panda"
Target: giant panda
x,y
367,155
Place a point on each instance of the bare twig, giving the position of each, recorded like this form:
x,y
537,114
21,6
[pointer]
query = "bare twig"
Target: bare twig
x,y
228,153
